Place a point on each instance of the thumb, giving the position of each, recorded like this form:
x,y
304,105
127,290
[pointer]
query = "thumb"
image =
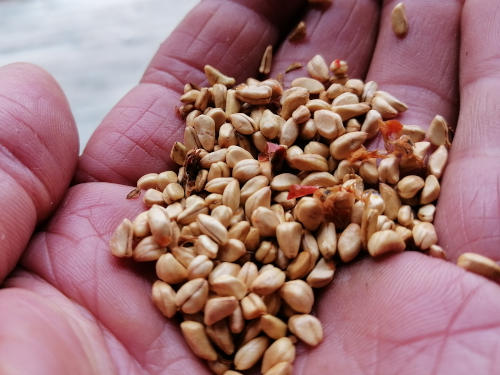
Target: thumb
x,y
38,155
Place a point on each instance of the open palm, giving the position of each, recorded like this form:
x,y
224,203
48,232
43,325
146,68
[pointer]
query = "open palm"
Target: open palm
x,y
67,306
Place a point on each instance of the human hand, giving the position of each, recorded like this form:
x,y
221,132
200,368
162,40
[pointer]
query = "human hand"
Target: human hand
x,y
69,306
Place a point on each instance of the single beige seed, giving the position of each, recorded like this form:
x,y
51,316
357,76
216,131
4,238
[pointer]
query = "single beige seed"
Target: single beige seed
x,y
388,170
309,162
148,250
232,103
261,198
213,157
355,86
218,308
328,124
385,241
266,252
345,98
405,215
231,195
239,230
369,171
250,353
308,212
292,99
268,281
173,210
399,20
480,265
409,186
282,182
200,266
223,214
289,235
437,161
348,111
217,185
121,240
204,245
392,100
243,123
255,95
227,136
265,220
236,321
371,124
298,295
318,69
148,181
322,274
300,266
152,197
233,250
214,76
272,326
424,235
228,285
282,350
178,153
391,200
170,270
414,132
349,243
253,306
426,213
245,169
213,228
347,143
431,190
205,130
248,273
307,328
184,255
220,335
437,133
197,340
164,298
289,132
327,240
312,85
320,179
141,225
381,105
173,192
191,296
224,268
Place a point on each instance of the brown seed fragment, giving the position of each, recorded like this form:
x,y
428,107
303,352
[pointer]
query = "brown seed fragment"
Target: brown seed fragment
x,y
266,61
399,20
250,353
297,34
307,328
480,265
197,340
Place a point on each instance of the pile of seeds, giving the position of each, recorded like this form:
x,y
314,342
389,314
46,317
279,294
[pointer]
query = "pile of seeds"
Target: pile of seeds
x,y
275,188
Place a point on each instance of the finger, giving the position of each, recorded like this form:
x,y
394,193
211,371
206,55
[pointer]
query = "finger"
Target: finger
x,y
471,185
421,68
344,30
407,314
38,154
137,135
73,255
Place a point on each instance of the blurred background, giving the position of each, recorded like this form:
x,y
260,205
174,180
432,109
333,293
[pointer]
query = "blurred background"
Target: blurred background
x,y
96,49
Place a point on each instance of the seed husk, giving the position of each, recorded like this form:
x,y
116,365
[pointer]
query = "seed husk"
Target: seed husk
x,y
214,76
297,34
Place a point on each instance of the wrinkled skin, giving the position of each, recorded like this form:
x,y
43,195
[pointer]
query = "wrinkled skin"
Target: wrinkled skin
x,y
68,307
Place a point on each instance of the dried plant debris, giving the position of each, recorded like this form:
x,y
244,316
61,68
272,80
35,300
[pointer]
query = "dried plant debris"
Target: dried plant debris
x,y
275,189
298,33
266,61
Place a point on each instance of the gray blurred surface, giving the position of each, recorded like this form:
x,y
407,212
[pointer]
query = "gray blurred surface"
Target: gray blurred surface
x,y
96,49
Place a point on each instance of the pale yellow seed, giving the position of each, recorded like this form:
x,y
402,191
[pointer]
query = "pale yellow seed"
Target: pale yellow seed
x,y
437,133
197,340
205,130
385,241
322,274
298,295
314,86
318,69
218,308
424,235
327,240
266,61
214,76
289,236
272,326
148,250
163,296
253,306
268,281
121,240
426,213
220,335
409,186
228,285
250,353
170,270
191,296
282,350
307,328
349,243
347,143
437,161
